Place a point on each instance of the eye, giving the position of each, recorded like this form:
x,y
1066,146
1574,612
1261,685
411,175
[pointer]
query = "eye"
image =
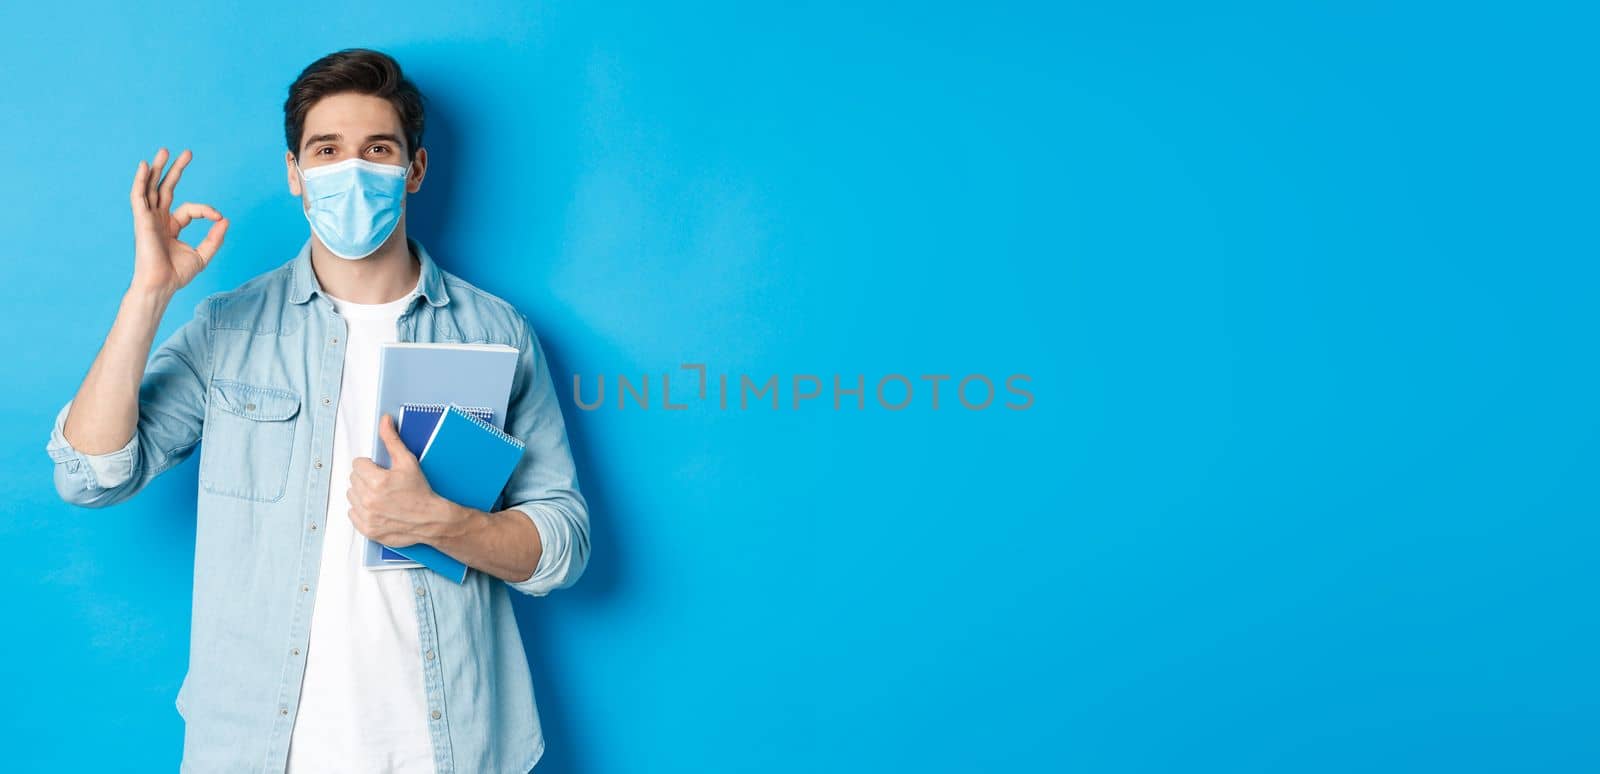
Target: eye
x,y
325,150
379,149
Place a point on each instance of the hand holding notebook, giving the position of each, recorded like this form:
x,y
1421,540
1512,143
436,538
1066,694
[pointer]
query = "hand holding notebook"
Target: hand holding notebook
x,y
415,424
466,460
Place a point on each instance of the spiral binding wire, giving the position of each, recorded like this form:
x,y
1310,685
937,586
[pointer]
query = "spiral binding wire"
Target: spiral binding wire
x,y
498,433
441,407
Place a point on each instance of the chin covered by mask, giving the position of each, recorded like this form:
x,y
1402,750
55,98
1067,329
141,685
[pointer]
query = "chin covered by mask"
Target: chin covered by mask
x,y
355,204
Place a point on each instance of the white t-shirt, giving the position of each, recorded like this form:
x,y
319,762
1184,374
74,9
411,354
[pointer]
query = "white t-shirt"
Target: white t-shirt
x,y
363,707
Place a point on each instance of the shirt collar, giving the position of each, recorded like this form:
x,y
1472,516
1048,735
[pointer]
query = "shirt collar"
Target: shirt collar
x,y
303,281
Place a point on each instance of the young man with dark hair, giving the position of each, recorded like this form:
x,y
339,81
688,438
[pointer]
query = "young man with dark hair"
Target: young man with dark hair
x,y
300,659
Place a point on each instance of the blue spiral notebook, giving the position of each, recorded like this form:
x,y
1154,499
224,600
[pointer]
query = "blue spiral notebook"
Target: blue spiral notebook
x,y
469,460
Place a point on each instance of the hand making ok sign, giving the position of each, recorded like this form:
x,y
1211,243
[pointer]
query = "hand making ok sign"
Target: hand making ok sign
x,y
161,261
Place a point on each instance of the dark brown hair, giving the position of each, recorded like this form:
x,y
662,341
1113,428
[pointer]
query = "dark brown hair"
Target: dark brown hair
x,y
359,70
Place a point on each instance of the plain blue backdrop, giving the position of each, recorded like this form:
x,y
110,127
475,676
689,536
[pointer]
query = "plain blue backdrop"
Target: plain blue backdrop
x,y
1307,296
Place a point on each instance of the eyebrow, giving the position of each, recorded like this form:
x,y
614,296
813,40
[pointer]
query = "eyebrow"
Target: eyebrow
x,y
316,138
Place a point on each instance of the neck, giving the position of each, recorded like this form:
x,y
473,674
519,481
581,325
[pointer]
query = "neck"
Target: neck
x,y
384,276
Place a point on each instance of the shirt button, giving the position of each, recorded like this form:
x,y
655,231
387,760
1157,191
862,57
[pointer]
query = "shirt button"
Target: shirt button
x,y
324,400
334,340
304,588
283,710
420,591
435,714
430,654
249,407
317,463
313,526
295,651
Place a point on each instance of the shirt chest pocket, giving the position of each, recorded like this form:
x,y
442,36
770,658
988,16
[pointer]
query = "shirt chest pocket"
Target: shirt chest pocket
x,y
249,440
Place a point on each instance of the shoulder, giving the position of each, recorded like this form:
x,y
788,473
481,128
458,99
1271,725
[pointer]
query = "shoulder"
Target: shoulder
x,y
482,308
259,304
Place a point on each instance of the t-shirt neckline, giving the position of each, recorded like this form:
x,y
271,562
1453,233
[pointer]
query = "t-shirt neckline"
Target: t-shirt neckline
x,y
371,311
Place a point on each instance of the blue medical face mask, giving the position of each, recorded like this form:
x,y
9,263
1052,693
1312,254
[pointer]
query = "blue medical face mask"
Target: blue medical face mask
x,y
355,204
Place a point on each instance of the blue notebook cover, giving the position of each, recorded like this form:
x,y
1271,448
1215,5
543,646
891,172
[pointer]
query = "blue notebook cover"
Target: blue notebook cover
x,y
467,374
415,424
469,460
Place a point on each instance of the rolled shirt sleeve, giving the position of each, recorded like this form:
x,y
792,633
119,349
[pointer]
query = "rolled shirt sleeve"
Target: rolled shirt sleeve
x,y
555,558
84,471
172,404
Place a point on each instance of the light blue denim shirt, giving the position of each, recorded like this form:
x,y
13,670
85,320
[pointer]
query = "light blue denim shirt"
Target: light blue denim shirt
x,y
256,376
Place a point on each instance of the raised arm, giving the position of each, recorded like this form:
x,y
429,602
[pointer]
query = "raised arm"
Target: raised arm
x,y
135,414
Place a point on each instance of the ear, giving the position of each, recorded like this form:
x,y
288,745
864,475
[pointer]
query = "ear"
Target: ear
x,y
294,177
419,168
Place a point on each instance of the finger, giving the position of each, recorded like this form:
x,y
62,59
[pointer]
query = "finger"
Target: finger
x,y
398,453
141,206
213,241
360,469
170,182
188,211
152,191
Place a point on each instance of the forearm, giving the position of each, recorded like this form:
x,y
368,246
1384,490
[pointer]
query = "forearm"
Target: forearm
x,y
105,411
504,544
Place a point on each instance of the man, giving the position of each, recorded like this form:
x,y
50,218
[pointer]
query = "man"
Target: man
x,y
300,659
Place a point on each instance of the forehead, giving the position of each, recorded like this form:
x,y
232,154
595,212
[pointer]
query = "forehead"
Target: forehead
x,y
353,115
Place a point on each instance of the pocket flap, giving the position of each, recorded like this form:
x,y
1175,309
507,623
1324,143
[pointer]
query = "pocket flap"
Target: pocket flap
x,y
255,401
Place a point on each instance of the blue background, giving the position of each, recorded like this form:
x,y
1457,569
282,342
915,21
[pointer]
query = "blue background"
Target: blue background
x,y
1307,296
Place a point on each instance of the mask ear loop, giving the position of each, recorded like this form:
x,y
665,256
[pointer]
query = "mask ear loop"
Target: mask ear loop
x,y
404,194
305,189
304,192
302,171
